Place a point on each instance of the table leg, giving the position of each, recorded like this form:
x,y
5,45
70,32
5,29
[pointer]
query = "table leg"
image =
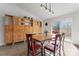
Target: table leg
x,y
28,47
28,42
42,48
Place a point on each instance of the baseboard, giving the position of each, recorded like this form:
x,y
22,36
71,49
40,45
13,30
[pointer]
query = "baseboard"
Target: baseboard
x,y
2,44
76,43
68,40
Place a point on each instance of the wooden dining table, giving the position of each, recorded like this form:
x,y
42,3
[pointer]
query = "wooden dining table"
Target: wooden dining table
x,y
42,39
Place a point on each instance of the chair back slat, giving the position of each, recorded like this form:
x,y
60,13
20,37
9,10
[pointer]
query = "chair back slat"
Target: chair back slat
x,y
58,39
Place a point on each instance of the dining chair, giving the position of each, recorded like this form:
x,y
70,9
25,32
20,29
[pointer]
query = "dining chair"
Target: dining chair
x,y
54,47
33,48
62,43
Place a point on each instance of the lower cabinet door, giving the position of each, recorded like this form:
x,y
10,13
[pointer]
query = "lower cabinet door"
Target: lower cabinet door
x,y
18,36
8,37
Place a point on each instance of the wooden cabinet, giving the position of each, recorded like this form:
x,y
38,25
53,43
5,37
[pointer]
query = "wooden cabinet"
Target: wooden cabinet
x,y
16,28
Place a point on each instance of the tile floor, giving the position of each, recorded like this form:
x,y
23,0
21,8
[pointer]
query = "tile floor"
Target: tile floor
x,y
20,49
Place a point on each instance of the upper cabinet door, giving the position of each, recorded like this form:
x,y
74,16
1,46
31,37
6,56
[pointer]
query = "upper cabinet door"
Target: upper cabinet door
x,y
39,23
7,20
16,20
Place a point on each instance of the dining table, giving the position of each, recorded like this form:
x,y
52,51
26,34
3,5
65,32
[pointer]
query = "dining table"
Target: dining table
x,y
42,39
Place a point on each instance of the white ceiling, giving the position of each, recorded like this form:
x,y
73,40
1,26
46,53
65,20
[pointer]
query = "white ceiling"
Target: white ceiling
x,y
58,8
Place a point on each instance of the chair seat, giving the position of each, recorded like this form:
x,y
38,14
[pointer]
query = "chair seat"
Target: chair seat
x,y
35,48
50,47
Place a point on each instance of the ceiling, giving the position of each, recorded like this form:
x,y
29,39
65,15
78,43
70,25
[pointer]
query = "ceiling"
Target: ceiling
x,y
58,8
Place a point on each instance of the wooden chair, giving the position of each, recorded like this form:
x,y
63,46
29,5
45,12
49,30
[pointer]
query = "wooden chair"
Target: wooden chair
x,y
62,43
33,48
55,46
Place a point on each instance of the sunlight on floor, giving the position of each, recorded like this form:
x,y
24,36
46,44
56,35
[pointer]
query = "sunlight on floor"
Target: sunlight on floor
x,y
70,49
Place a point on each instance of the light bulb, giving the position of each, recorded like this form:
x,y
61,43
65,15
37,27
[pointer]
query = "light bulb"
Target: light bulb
x,y
49,12
52,12
41,7
46,10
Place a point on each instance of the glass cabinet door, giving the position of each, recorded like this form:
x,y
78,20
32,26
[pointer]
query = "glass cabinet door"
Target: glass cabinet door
x,y
8,20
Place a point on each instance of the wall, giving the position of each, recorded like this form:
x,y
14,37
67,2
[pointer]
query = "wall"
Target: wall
x,y
75,24
75,29
12,9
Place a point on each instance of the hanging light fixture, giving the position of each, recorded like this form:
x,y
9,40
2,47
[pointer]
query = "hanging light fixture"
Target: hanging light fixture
x,y
41,6
47,7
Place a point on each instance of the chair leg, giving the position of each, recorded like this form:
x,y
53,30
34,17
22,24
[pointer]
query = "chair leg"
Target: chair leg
x,y
63,51
28,53
44,52
54,53
59,50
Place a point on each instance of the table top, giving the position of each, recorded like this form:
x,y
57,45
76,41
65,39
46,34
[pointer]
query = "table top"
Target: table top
x,y
42,38
31,33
